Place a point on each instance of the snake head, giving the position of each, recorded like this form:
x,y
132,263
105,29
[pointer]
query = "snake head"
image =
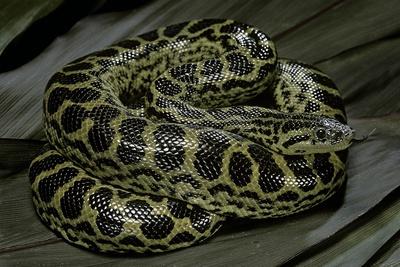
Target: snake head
x,y
320,136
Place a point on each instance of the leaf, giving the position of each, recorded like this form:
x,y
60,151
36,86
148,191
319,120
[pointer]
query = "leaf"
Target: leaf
x,y
16,16
16,154
362,55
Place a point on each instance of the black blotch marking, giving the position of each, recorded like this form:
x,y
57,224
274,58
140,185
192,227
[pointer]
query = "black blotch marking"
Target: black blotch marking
x,y
156,198
271,177
212,68
157,227
233,27
325,81
293,125
85,227
56,127
221,188
239,64
178,209
132,241
138,209
188,179
103,114
123,194
53,212
48,186
149,36
311,107
208,162
324,168
131,148
183,237
305,177
81,146
288,196
201,220
56,99
175,29
240,169
167,87
109,52
100,137
185,73
169,154
108,220
78,66
129,44
72,200
83,95
204,24
45,164
233,83
72,118
295,139
342,154
67,79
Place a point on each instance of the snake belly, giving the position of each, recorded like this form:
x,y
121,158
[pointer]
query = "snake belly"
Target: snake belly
x,y
139,157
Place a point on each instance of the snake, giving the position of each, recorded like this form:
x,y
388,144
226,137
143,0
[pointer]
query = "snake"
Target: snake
x,y
155,141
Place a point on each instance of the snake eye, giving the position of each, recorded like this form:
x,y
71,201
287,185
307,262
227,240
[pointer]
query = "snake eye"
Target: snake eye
x,y
320,133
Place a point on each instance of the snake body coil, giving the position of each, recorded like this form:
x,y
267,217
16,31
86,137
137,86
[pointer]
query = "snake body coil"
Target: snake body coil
x,y
150,149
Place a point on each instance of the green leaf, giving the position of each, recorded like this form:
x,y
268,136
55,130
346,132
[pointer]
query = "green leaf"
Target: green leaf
x,y
16,16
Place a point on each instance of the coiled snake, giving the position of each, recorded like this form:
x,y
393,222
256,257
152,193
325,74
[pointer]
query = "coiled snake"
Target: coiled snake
x,y
151,148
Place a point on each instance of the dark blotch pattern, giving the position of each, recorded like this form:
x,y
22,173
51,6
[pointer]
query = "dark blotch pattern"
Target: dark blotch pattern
x,y
184,73
305,177
174,30
157,227
182,238
208,162
271,177
150,36
109,221
204,24
44,165
131,148
239,64
178,209
56,99
212,68
240,169
78,66
72,118
221,188
188,179
166,87
170,140
66,79
72,201
49,185
324,168
288,196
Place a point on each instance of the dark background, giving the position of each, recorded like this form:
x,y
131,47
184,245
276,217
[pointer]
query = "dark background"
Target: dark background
x,y
356,42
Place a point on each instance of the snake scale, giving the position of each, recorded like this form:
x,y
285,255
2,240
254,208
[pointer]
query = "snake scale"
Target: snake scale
x,y
154,142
